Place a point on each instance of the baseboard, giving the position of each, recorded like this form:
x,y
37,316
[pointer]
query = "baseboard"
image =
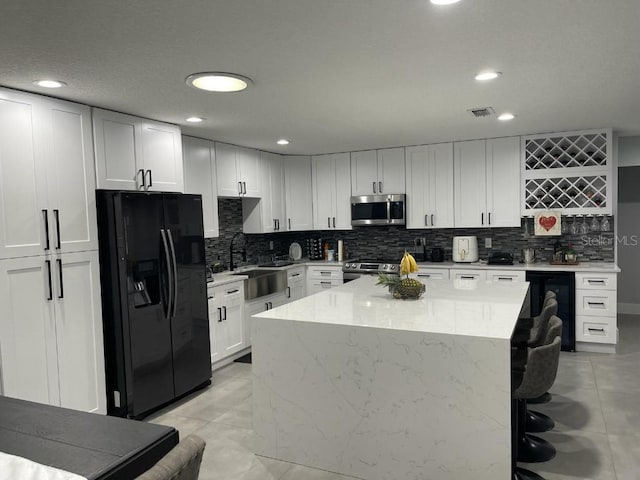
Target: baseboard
x,y
230,359
592,347
629,308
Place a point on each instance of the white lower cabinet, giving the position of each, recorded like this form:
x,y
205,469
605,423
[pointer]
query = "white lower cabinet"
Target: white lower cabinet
x,y
51,345
323,277
467,274
259,305
596,310
506,275
226,318
432,273
296,283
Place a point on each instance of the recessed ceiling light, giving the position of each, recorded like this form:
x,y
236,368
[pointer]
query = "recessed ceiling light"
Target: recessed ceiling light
x,y
444,2
489,75
506,116
283,141
218,81
49,83
194,119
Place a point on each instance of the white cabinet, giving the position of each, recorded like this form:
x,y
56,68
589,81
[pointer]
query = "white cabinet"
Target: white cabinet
x,y
596,312
46,176
237,171
467,274
487,183
226,319
51,344
323,277
429,180
266,215
377,172
431,273
298,193
199,177
506,275
260,305
134,153
331,176
296,283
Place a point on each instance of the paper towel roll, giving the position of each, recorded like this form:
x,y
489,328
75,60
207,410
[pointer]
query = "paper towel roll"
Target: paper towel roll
x,y
340,251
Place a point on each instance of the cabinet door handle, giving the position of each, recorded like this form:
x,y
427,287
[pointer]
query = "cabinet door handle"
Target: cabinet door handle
x,y
219,314
288,292
150,179
144,178
56,216
224,310
379,187
48,262
45,215
482,218
289,224
239,188
596,330
432,219
426,219
334,222
270,305
374,187
266,305
244,188
278,222
61,294
328,222
489,218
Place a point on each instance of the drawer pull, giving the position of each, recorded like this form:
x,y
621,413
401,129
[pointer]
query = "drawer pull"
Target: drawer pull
x,y
325,283
325,273
509,279
295,274
596,330
426,275
209,297
600,282
229,292
596,303
467,277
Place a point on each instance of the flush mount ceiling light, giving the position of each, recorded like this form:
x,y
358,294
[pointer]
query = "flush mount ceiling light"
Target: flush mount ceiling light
x,y
194,119
218,81
488,75
444,2
49,83
283,141
505,117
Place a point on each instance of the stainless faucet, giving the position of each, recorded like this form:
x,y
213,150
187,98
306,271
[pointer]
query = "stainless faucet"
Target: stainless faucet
x,y
232,251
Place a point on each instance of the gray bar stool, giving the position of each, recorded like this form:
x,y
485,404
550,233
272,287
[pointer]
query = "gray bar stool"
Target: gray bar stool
x,y
541,323
542,367
539,422
545,397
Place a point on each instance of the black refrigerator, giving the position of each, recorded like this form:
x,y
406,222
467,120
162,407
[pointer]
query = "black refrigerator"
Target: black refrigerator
x,y
154,299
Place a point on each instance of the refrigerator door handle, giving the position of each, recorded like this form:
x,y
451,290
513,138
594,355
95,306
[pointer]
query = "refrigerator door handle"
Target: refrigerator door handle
x,y
175,272
169,275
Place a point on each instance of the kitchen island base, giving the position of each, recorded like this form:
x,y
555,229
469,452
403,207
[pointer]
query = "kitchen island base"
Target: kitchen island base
x,y
379,403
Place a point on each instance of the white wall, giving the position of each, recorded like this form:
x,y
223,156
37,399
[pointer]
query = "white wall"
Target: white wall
x,y
628,224
629,151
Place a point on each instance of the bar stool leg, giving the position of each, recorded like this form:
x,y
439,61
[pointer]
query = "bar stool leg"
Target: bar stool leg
x,y
531,449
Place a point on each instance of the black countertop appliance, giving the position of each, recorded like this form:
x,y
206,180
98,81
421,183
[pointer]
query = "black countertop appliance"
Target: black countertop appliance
x,y
437,254
563,285
154,299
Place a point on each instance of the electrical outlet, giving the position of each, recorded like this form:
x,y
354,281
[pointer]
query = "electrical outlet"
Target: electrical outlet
x,y
270,244
487,243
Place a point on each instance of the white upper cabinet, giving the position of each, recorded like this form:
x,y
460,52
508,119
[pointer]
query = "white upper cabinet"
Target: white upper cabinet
x,y
199,178
378,172
46,176
136,154
487,183
429,181
266,214
331,176
503,182
298,193
238,171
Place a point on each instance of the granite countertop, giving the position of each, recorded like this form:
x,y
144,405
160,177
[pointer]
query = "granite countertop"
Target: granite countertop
x,y
457,307
600,267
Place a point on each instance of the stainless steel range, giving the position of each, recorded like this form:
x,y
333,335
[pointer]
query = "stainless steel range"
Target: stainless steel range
x,y
354,269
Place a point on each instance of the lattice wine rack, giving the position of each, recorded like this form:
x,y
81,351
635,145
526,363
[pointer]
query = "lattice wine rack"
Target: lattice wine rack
x,y
569,172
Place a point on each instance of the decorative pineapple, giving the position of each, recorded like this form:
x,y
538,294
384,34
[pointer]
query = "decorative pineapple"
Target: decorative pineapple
x,y
403,287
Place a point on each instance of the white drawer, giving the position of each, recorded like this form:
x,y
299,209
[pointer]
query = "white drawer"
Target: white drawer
x,y
462,274
600,303
596,281
598,330
328,283
325,273
437,273
506,275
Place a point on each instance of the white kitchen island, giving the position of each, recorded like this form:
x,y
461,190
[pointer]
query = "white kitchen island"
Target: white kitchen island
x,y
352,381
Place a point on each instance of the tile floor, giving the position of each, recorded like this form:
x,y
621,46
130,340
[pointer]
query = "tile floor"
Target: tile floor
x,y
596,406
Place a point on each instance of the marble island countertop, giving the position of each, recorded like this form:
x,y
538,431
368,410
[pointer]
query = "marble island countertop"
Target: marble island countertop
x,y
599,267
457,307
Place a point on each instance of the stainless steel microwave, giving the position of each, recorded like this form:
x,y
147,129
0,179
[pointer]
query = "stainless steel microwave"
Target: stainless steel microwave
x,y
378,210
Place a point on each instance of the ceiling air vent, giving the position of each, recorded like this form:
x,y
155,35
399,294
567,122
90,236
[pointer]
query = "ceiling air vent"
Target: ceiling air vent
x,y
482,112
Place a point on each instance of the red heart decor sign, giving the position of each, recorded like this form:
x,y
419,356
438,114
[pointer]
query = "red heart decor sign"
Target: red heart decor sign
x,y
547,222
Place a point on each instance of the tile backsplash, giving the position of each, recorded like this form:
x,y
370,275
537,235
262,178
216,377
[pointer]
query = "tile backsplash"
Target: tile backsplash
x,y
391,241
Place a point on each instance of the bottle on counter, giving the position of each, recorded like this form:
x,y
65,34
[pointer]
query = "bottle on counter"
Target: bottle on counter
x,y
326,252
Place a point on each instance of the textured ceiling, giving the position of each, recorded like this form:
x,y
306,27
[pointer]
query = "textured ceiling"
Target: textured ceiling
x,y
337,75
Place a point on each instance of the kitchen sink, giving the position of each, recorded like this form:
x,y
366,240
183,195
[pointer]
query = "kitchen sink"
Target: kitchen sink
x,y
263,282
